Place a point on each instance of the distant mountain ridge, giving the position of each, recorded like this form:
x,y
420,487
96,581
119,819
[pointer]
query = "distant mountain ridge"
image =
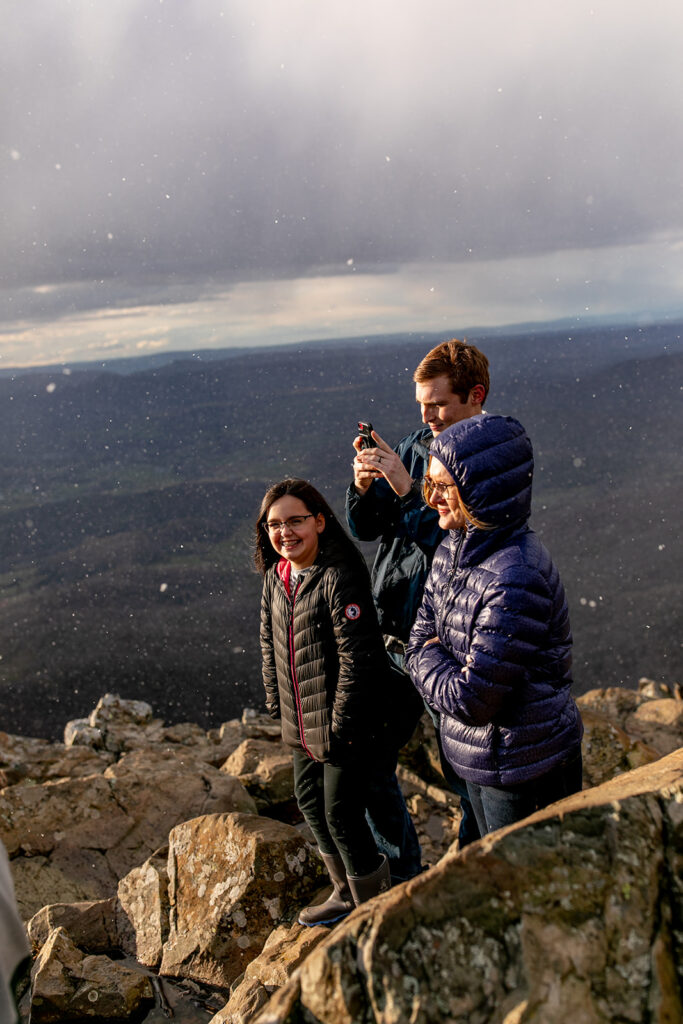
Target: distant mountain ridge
x,y
127,503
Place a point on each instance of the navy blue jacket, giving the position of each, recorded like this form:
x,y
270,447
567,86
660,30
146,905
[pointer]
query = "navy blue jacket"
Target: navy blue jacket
x,y
500,673
410,534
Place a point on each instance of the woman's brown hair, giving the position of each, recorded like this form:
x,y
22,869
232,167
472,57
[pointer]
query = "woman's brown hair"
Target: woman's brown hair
x,y
265,554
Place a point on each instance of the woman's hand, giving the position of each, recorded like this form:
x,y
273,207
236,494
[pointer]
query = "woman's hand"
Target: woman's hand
x,y
370,463
432,640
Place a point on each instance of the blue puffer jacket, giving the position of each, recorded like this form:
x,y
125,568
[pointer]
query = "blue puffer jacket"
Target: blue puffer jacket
x,y
500,673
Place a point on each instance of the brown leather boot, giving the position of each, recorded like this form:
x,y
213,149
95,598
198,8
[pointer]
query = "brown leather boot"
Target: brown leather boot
x,y
364,887
338,904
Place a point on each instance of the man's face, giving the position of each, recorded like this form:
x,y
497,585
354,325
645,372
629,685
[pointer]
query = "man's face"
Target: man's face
x,y
440,407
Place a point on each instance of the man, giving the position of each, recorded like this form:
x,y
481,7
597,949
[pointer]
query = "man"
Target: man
x,y
385,500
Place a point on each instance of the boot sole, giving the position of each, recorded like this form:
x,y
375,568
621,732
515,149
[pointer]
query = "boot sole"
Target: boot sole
x,y
328,920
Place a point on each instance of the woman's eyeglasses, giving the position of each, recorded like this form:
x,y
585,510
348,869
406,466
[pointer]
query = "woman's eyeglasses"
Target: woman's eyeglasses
x,y
435,486
276,527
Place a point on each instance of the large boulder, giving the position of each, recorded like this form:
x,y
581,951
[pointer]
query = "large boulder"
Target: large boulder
x,y
574,914
73,839
232,879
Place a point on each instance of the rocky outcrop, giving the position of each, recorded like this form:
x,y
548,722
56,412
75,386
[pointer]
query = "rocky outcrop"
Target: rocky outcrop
x,y
137,840
575,914
73,839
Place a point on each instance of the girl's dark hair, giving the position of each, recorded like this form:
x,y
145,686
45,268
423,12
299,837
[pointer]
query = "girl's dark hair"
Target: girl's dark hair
x,y
265,554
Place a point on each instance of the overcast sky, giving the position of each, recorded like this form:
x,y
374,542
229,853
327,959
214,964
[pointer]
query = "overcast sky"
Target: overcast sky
x,y
186,173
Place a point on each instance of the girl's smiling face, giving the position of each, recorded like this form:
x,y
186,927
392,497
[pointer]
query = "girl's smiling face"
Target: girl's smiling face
x,y
298,544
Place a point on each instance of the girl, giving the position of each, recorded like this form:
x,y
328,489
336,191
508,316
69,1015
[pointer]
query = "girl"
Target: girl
x,y
323,660
490,650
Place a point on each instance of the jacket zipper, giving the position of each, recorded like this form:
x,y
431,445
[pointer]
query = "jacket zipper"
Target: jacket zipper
x,y
292,668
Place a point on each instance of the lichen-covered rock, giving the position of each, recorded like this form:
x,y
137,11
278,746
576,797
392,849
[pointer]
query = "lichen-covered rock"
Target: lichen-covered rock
x,y
73,839
68,986
118,726
574,914
143,910
232,879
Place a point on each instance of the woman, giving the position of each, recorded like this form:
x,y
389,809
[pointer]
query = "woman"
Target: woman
x,y
490,650
323,659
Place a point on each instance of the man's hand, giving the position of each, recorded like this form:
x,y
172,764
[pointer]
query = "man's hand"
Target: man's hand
x,y
370,463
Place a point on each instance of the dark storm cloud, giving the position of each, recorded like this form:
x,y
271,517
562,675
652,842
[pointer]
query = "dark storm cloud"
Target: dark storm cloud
x,y
144,139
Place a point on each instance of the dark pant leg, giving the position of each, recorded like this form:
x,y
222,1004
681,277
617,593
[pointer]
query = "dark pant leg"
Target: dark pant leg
x,y
496,807
345,799
332,800
387,812
469,830
309,790
390,820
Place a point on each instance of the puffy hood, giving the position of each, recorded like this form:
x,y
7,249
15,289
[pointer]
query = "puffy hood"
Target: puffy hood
x,y
491,460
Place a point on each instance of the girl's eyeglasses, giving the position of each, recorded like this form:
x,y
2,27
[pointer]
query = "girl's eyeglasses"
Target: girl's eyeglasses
x,y
276,527
435,486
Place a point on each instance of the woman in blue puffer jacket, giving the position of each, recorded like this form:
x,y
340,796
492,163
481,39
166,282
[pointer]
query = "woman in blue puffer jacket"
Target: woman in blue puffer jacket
x,y
490,650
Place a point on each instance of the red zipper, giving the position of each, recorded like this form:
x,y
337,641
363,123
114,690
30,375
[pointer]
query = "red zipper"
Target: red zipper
x,y
295,681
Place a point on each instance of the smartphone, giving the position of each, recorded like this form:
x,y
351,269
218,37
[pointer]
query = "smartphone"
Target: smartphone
x,y
366,438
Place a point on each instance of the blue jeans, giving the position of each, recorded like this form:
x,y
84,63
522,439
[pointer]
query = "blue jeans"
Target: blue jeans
x,y
390,821
469,829
495,807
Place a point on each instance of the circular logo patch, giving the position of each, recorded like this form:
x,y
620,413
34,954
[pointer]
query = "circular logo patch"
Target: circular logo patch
x,y
352,611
